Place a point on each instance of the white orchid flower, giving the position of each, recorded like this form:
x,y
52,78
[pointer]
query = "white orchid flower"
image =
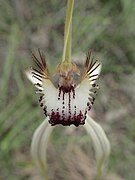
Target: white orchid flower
x,y
67,103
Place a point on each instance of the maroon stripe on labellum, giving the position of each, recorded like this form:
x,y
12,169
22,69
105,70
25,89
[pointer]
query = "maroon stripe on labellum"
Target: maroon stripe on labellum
x,y
38,85
93,75
37,78
38,75
95,68
92,65
37,71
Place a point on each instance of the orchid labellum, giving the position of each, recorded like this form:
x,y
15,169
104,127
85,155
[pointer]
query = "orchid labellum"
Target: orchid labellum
x,y
67,103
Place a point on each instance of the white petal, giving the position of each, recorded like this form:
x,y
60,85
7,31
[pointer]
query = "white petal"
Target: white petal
x,y
100,143
39,144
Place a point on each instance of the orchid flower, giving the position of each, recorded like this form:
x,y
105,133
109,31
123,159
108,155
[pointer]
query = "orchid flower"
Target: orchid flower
x,y
67,103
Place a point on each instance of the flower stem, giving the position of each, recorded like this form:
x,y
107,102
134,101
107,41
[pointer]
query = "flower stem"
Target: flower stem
x,y
68,32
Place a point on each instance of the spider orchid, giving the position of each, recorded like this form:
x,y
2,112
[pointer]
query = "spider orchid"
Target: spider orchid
x,y
67,103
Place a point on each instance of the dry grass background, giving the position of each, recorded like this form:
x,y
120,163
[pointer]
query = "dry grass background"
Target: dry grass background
x,y
108,28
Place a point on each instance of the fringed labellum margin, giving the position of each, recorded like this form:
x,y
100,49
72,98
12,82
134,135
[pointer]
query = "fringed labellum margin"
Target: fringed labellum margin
x,y
67,103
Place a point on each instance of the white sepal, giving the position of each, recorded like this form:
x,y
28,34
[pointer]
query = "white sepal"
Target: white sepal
x,y
100,143
39,145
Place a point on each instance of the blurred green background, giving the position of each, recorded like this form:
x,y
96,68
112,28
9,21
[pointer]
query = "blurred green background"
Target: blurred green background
x,y
106,26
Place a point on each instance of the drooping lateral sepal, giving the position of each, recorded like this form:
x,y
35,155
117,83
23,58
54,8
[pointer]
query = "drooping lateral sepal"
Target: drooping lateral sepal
x,y
100,143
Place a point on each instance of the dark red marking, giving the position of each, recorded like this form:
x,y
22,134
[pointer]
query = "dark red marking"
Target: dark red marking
x,y
77,119
66,89
45,111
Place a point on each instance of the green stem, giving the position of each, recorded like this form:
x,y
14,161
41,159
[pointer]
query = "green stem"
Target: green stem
x,y
68,32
